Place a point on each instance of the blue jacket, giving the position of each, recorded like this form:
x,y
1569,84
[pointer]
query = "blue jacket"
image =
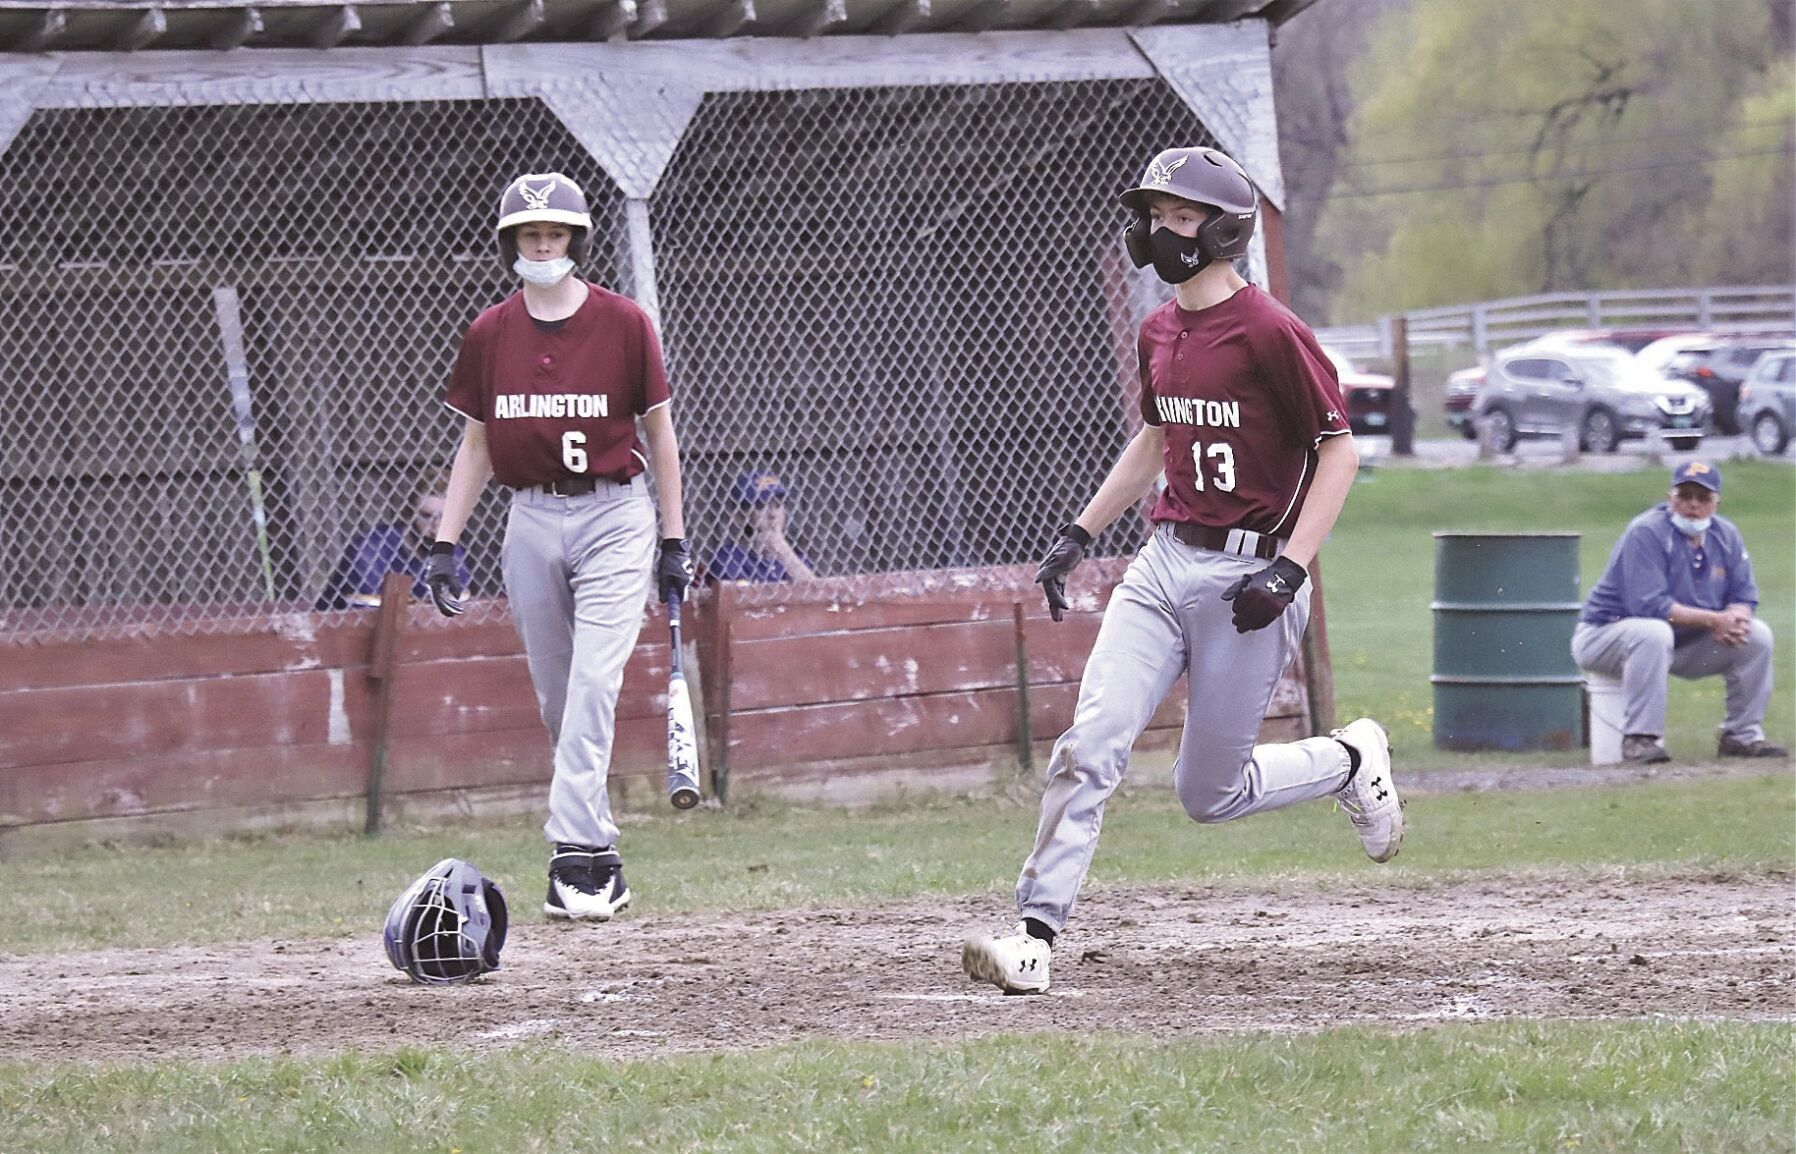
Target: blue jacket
x,y
1653,565
375,552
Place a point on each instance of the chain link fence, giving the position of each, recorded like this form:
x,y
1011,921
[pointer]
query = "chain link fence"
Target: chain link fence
x,y
228,329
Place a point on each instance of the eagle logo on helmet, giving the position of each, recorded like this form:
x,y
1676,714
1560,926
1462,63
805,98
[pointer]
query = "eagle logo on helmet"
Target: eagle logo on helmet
x,y
536,197
1160,174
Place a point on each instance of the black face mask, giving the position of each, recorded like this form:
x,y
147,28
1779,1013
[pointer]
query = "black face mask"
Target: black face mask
x,y
1176,258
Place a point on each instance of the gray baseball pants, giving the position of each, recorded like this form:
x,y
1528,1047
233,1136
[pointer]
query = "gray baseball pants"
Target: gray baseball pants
x,y
1167,618
1643,651
577,572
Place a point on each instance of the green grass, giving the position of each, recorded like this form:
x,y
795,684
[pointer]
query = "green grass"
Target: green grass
x,y
769,856
1378,576
1567,1086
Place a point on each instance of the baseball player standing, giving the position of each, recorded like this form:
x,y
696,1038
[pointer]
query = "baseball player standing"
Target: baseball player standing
x,y
1243,414
551,382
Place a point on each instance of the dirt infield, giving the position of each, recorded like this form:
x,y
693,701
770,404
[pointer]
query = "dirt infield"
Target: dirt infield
x,y
1160,961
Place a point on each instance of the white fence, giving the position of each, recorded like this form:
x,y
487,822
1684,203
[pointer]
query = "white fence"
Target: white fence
x,y
1494,324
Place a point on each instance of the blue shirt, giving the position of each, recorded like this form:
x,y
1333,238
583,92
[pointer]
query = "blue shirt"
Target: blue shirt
x,y
1654,564
377,551
734,563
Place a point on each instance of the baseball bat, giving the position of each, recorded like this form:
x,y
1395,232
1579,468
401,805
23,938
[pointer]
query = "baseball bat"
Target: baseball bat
x,y
682,746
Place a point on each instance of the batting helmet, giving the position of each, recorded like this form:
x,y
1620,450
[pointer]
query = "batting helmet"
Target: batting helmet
x,y
448,926
548,197
1211,179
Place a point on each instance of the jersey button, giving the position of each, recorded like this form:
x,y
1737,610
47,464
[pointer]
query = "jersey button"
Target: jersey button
x,y
1184,334
548,360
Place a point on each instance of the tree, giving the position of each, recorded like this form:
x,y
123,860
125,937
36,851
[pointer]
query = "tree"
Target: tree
x,y
1540,145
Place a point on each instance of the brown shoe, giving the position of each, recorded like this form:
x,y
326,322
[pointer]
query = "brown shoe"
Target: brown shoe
x,y
1643,749
1733,747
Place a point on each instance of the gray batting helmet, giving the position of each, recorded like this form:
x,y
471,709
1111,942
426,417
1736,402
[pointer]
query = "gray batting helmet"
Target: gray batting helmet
x,y
1203,175
448,926
549,198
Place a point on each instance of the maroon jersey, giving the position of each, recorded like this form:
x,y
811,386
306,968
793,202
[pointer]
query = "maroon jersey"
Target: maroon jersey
x,y
1244,395
563,402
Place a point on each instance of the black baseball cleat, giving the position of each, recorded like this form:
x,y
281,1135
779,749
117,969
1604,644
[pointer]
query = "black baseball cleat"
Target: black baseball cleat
x,y
1735,747
585,884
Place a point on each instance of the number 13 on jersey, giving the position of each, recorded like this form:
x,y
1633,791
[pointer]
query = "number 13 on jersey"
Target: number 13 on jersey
x,y
1222,454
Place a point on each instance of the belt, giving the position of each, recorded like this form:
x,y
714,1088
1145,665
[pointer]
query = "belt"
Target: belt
x,y
569,486
1240,541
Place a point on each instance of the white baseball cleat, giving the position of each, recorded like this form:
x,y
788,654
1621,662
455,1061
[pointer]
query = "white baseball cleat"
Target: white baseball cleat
x,y
1370,799
1016,963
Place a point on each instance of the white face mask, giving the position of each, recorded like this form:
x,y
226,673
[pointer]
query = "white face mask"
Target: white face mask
x,y
1689,527
543,273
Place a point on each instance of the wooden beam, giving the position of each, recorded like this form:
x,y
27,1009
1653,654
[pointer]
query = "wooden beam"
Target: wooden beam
x,y
612,20
430,24
237,28
144,31
1150,12
902,17
818,20
650,15
735,15
336,28
45,36
983,16
518,22
1073,13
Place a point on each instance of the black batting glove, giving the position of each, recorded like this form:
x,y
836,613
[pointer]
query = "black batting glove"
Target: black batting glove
x,y
673,572
439,576
1069,549
1260,597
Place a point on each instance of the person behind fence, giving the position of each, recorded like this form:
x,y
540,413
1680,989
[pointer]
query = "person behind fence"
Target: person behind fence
x,y
765,554
393,548
1678,596
551,383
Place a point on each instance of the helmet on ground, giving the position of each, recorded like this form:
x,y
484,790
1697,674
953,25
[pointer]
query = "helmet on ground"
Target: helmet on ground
x,y
548,198
1208,177
448,926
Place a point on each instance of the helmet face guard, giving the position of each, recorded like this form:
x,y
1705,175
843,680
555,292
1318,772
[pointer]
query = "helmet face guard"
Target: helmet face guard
x,y
448,926
1203,176
544,198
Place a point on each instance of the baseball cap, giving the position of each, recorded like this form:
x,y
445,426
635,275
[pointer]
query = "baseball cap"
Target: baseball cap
x,y
757,487
1697,473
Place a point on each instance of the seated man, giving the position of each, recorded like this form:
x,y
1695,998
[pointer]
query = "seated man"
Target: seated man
x,y
1678,597
382,549
767,555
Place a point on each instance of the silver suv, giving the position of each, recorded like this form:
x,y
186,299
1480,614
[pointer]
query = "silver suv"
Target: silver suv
x,y
1544,388
1768,400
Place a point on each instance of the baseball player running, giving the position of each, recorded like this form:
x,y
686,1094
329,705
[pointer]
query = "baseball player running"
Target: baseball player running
x,y
1244,416
551,382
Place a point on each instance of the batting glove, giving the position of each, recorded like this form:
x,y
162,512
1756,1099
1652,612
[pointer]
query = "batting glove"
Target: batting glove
x,y
1260,597
1069,549
673,572
439,575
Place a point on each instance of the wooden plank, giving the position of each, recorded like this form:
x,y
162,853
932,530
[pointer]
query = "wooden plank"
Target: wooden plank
x,y
236,29
274,75
900,662
516,756
186,780
434,21
899,727
144,31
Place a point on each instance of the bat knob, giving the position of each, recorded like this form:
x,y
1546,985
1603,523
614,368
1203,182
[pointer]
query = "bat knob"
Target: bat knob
x,y
684,798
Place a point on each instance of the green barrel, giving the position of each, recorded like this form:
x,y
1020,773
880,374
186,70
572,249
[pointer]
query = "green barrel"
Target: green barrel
x,y
1504,607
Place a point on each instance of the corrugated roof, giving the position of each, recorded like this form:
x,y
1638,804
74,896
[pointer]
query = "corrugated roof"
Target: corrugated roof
x,y
94,25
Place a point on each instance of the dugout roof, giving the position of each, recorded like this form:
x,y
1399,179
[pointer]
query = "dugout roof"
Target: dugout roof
x,y
31,26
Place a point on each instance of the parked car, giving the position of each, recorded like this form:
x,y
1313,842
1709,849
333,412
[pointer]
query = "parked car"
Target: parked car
x,y
1462,390
1628,340
1546,387
1718,367
1368,395
1768,400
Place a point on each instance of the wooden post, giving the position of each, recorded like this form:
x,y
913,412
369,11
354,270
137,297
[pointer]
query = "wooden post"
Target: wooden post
x,y
1025,750
1403,425
395,596
718,676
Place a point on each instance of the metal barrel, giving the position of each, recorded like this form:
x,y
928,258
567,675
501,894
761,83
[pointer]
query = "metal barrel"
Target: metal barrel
x,y
1504,608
